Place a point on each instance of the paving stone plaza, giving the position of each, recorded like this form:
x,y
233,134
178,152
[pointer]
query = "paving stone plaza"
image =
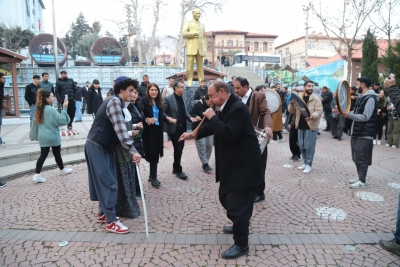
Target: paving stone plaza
x,y
310,219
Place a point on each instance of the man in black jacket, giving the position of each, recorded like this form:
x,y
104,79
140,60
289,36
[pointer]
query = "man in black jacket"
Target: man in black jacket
x,y
237,160
66,87
394,244
84,91
2,82
201,91
230,84
143,86
326,99
30,96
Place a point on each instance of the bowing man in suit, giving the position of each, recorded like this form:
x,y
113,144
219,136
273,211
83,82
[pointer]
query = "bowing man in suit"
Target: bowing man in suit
x,y
175,110
260,117
238,165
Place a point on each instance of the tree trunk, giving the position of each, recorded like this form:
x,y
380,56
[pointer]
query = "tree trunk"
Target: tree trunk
x,y
349,67
149,53
180,38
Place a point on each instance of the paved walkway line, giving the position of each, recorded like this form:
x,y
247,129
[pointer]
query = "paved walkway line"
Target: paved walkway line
x,y
195,239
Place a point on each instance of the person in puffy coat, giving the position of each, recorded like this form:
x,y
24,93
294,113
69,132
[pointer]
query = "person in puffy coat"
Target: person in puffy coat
x,y
66,87
94,98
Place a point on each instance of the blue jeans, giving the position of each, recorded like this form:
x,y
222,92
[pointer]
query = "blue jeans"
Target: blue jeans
x,y
307,141
32,114
78,111
1,122
397,232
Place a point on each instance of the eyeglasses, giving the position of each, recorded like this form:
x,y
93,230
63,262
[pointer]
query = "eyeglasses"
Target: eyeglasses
x,y
212,95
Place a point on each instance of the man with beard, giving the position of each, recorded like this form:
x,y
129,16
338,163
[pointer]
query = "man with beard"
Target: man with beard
x,y
307,127
66,87
260,117
363,129
143,86
30,96
201,91
237,161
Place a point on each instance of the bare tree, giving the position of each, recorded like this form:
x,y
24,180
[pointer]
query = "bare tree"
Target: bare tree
x,y
346,25
185,7
152,39
385,22
134,8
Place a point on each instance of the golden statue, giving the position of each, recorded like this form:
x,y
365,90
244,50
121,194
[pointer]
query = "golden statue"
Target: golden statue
x,y
194,31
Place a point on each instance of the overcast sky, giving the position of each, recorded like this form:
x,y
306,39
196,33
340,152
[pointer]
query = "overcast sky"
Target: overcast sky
x,y
284,18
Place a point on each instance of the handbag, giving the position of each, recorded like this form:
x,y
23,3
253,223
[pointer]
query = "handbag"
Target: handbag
x,y
33,134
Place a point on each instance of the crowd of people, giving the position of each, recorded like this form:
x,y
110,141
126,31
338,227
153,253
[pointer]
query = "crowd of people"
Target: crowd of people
x,y
129,124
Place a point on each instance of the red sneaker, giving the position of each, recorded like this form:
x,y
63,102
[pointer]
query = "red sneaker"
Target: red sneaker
x,y
103,219
117,227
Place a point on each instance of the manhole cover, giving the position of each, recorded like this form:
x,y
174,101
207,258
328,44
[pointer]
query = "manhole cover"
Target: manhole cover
x,y
370,196
394,185
331,213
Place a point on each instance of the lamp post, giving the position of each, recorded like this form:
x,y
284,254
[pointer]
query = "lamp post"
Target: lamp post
x,y
131,31
55,41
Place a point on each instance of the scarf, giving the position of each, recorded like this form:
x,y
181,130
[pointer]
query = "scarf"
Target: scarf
x,y
128,116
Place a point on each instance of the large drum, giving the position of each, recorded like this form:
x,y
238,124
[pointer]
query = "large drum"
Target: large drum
x,y
343,97
300,104
273,100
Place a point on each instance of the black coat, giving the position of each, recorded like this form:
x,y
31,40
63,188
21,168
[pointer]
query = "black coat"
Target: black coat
x,y
142,90
30,94
137,116
93,100
237,153
79,93
199,93
198,110
153,136
1,95
394,94
328,97
65,87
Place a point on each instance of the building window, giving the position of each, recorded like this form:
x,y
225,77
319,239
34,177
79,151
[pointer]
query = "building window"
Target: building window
x,y
247,44
287,51
223,43
313,45
256,46
280,52
237,43
265,46
209,46
229,43
270,46
326,46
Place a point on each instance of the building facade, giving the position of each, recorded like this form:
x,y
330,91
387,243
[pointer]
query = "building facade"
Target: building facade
x,y
229,42
28,14
319,46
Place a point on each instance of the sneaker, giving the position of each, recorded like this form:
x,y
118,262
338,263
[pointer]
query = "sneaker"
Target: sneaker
x,y
374,142
69,128
352,181
207,168
391,246
358,184
103,219
387,145
302,167
292,157
38,178
378,142
281,140
117,227
394,146
3,184
296,158
65,171
307,169
273,141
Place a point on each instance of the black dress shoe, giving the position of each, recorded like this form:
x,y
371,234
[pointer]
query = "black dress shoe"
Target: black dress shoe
x,y
207,168
334,137
258,198
339,139
181,175
235,252
228,229
174,171
155,183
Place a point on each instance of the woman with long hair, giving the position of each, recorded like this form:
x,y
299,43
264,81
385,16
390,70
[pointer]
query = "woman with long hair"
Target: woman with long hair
x,y
204,145
127,205
137,124
153,136
48,121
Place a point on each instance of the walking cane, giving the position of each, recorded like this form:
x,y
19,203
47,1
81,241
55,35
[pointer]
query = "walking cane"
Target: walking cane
x,y
143,200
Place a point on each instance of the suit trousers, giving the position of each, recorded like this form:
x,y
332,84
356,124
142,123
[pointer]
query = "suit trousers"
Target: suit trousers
x,y
71,111
178,148
239,209
190,67
260,189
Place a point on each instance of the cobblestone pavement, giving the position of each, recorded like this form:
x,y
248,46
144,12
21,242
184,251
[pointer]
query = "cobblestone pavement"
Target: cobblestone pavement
x,y
306,219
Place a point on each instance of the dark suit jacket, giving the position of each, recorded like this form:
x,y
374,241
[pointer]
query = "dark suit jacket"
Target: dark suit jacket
x,y
237,153
260,114
170,108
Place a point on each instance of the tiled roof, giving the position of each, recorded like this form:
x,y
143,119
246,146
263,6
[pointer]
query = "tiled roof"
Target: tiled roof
x,y
247,34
